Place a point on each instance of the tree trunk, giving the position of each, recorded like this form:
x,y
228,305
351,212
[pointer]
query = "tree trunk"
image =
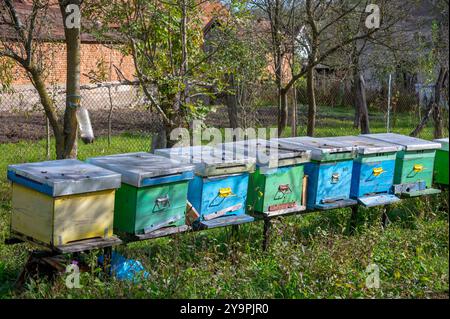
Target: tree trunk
x,y
357,119
73,44
437,116
184,52
437,122
232,104
283,100
50,111
361,105
294,112
159,140
433,106
312,109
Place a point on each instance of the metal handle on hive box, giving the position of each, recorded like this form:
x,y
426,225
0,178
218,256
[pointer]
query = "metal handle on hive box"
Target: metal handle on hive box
x,y
378,171
226,192
164,201
417,168
285,189
335,178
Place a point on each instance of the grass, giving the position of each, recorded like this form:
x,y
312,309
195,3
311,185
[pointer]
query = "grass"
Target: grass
x,y
311,256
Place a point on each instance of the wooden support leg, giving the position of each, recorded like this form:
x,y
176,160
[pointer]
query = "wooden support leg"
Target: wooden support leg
x,y
234,232
353,220
266,233
384,216
107,256
39,263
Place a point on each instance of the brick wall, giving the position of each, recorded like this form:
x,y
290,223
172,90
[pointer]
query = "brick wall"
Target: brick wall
x,y
91,57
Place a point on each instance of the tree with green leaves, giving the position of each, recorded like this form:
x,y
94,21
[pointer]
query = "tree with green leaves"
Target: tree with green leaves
x,y
166,42
242,53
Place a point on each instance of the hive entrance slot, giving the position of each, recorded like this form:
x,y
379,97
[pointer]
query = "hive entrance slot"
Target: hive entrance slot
x,y
80,241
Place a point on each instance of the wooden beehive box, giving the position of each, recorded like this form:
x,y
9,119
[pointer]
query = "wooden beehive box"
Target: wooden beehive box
x,y
329,172
276,186
414,165
153,193
373,170
59,202
219,190
441,162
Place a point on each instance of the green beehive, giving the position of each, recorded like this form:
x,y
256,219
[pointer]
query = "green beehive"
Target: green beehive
x,y
414,165
153,194
441,163
276,186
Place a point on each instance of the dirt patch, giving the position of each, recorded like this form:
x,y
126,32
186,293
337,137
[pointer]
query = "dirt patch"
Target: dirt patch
x,y
15,127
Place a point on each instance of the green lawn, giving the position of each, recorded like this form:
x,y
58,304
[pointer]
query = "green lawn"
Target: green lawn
x,y
311,256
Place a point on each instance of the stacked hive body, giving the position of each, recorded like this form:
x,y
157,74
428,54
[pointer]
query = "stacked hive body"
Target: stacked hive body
x,y
441,162
414,164
153,191
329,172
276,186
219,190
60,202
373,170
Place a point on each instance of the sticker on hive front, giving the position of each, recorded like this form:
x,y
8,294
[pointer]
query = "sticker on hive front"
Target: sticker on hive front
x,y
282,206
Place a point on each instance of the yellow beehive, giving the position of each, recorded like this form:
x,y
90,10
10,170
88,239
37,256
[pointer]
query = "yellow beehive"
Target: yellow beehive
x,y
57,208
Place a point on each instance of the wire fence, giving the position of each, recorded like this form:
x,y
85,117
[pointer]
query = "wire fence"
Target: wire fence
x,y
121,115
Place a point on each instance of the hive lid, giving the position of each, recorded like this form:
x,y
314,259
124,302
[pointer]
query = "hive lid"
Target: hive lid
x,y
320,147
365,145
136,167
268,153
209,160
63,177
443,142
409,143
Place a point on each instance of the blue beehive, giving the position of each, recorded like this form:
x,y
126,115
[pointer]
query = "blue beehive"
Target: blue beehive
x,y
219,190
329,172
373,170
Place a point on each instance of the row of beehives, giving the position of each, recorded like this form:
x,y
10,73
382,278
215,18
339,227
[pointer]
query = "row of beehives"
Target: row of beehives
x,y
59,202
